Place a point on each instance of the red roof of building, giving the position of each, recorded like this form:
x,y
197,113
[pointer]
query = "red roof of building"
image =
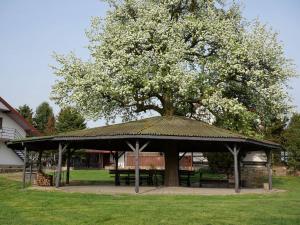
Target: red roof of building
x,y
19,119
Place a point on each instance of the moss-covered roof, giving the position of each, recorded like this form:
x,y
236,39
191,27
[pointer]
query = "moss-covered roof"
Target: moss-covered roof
x,y
157,126
163,128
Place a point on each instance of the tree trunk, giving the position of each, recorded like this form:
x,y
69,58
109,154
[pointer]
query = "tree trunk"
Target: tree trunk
x,y
171,154
171,166
168,108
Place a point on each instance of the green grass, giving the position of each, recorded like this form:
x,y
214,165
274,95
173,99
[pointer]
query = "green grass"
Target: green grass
x,y
19,206
90,175
206,174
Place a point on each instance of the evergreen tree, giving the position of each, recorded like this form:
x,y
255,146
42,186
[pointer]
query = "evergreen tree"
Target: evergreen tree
x,y
69,119
26,112
42,114
275,133
292,142
50,126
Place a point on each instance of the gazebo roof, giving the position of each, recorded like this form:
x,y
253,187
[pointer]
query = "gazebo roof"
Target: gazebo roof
x,y
155,128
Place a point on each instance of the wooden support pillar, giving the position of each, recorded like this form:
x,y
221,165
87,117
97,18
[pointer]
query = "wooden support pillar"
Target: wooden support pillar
x,y
235,152
137,149
116,156
269,166
101,161
30,172
40,160
137,167
192,160
239,170
24,167
117,176
68,166
58,168
236,170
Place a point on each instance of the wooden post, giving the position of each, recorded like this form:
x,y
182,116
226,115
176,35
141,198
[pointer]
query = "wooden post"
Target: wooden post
x,y
100,160
269,166
137,150
40,161
68,166
235,152
236,170
24,166
137,167
239,170
58,169
192,160
30,174
117,177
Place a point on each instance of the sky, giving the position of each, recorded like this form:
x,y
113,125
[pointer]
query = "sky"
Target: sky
x,y
31,30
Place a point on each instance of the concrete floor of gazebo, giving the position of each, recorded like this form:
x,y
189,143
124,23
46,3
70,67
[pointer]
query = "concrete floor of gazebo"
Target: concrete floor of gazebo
x,y
150,190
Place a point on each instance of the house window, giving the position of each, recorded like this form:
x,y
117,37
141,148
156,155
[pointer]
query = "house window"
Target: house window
x,y
1,119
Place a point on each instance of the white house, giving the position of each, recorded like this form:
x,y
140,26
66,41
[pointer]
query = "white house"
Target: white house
x,y
12,126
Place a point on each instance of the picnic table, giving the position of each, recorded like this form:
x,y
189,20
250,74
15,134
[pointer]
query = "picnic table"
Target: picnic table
x,y
150,176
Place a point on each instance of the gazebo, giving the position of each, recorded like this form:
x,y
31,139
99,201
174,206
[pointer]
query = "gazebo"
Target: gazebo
x,y
169,135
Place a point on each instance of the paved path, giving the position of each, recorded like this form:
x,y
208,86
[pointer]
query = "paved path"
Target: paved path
x,y
117,190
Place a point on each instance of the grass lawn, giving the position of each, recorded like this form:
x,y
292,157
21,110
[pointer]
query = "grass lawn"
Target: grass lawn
x,y
19,206
90,175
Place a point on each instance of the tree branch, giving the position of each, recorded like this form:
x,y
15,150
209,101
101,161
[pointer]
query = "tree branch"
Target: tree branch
x,y
143,108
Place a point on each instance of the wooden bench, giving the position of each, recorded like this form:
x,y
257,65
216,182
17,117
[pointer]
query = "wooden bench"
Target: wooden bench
x,y
128,176
186,175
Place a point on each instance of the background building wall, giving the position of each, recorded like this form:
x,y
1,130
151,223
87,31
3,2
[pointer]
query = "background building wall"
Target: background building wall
x,y
154,160
7,156
10,123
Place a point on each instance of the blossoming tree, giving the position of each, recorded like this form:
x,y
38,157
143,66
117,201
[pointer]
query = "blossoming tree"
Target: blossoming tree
x,y
197,58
